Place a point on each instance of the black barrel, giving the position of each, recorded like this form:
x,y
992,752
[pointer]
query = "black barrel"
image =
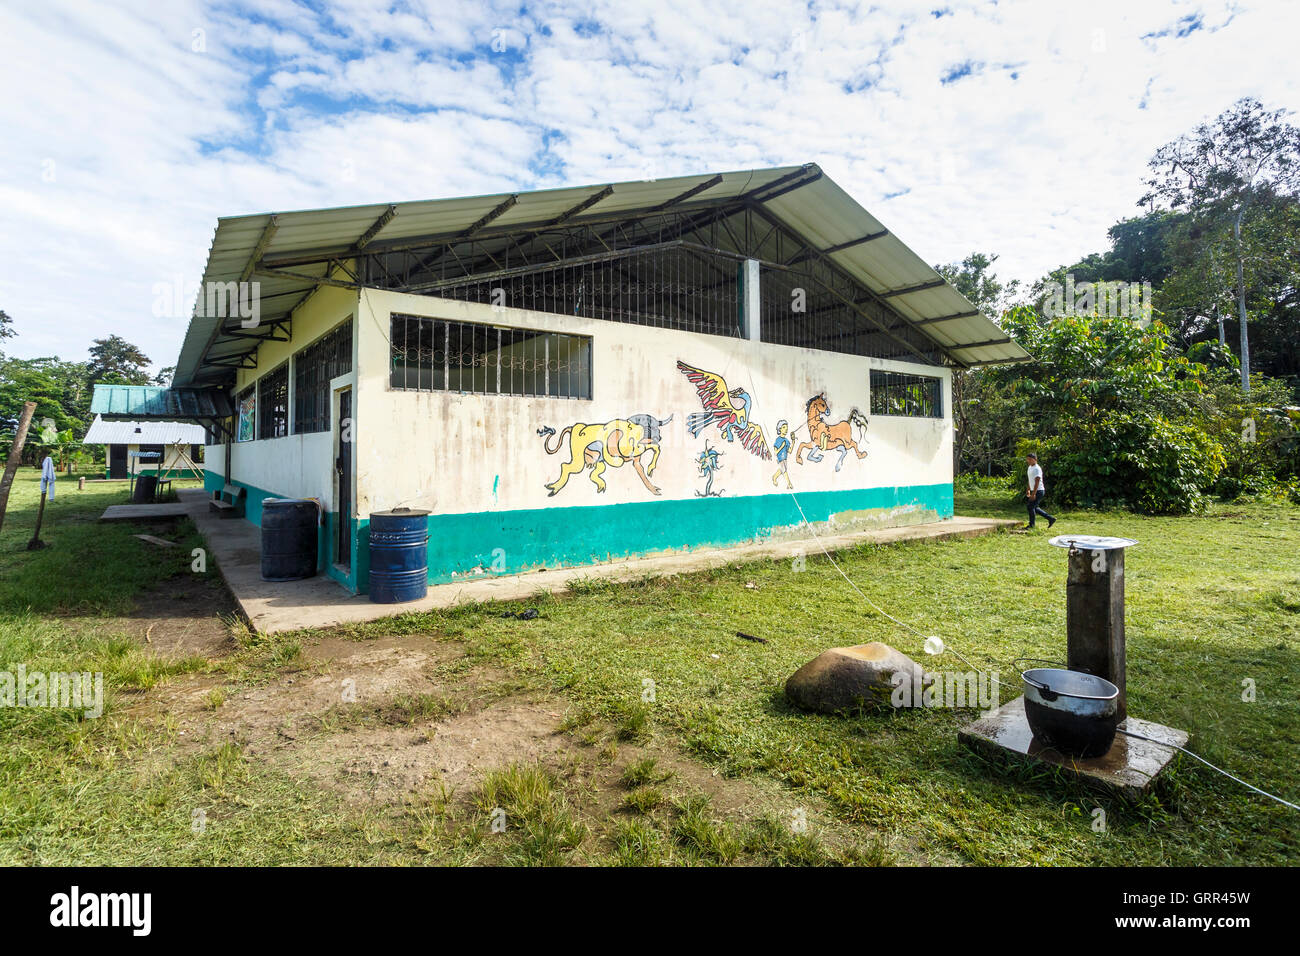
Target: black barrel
x,y
146,488
399,555
289,539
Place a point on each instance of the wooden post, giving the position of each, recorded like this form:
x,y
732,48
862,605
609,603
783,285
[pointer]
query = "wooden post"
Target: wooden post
x,y
36,541
15,453
1094,617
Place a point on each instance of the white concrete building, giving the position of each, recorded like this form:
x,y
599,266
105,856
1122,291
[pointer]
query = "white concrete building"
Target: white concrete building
x,y
576,375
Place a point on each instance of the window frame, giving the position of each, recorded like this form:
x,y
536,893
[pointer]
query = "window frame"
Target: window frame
x,y
893,386
268,424
568,374
327,367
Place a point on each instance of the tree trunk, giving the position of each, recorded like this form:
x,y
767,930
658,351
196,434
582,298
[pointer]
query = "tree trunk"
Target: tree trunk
x,y
1241,302
15,453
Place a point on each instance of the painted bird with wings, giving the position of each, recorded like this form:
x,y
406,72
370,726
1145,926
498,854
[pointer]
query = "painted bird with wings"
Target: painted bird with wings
x,y
728,409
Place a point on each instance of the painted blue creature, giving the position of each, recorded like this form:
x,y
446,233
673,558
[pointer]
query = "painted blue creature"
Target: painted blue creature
x,y
708,463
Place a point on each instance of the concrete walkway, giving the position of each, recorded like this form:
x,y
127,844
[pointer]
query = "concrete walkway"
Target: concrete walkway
x,y
322,602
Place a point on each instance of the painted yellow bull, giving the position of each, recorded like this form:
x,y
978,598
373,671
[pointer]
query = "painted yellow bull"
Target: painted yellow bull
x,y
609,445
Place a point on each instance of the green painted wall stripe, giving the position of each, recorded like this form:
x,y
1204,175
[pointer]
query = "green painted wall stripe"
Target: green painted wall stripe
x,y
576,536
214,481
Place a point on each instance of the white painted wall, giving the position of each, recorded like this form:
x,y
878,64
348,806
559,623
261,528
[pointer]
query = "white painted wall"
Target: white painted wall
x,y
295,465
455,453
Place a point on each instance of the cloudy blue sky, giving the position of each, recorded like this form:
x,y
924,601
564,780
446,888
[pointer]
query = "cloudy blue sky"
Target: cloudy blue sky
x,y
1011,127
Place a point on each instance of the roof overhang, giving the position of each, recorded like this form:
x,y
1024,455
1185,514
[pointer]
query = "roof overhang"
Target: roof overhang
x,y
291,254
142,403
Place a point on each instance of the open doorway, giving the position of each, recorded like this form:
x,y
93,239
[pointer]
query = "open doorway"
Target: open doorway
x,y
343,468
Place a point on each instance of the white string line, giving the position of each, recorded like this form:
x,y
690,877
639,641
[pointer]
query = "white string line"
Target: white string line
x,y
873,604
1285,803
909,627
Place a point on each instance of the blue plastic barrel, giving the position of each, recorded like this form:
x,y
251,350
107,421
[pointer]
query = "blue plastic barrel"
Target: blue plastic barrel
x,y
399,555
289,539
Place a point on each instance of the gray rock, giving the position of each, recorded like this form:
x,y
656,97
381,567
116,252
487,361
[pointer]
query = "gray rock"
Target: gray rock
x,y
846,678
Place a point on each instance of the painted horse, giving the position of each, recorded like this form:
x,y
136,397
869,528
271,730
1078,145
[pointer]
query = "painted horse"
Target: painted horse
x,y
822,436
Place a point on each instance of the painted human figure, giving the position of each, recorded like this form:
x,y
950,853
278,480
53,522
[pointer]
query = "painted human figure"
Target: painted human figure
x,y
782,448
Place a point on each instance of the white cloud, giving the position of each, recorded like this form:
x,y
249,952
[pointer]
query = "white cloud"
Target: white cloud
x,y
122,144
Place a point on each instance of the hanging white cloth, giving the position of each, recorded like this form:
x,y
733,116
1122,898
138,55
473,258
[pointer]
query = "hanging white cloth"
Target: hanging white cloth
x,y
47,476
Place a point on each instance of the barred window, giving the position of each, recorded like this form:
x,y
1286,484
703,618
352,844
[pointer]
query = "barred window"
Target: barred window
x,y
438,355
897,393
327,358
273,403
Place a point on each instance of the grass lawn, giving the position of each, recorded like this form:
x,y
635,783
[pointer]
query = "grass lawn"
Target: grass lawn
x,y
1213,600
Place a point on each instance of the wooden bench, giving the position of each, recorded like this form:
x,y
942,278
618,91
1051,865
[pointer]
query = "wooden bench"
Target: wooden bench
x,y
229,501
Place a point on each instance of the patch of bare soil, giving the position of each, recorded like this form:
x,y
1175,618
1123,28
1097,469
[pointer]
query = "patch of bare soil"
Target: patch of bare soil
x,y
183,617
406,719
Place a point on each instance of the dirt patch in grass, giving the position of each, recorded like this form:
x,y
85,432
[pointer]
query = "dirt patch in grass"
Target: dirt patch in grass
x,y
184,616
405,723
445,758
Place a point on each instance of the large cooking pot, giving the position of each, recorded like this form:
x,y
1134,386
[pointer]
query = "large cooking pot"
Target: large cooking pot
x,y
1071,711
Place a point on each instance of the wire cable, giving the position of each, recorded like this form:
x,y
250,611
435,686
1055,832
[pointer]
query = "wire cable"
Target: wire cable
x,y
1285,803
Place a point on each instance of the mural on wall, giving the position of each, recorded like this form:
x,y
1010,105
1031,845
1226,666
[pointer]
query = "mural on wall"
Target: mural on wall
x,y
782,448
247,408
709,465
823,437
728,409
612,444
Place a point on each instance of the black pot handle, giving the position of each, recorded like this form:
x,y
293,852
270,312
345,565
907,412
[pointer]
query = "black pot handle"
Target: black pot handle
x,y
1046,692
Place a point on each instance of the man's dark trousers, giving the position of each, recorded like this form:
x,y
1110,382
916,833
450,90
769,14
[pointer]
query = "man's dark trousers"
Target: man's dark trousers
x,y
1034,505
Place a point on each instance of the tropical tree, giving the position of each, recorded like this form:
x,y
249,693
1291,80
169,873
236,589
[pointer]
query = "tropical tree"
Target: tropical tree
x,y
975,421
116,360
1221,171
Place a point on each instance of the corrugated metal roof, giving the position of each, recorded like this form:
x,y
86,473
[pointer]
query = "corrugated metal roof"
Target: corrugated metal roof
x,y
143,433
819,210
155,402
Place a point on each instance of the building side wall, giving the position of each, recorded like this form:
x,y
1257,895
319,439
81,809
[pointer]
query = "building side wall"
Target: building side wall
x,y
296,465
482,464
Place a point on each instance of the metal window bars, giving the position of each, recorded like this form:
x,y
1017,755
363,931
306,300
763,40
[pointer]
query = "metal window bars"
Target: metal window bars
x,y
898,393
313,368
273,403
430,355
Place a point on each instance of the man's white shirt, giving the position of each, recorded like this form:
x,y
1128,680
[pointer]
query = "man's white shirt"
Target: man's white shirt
x,y
1036,471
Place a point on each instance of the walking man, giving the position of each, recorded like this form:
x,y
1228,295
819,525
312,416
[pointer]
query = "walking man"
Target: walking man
x,y
1037,490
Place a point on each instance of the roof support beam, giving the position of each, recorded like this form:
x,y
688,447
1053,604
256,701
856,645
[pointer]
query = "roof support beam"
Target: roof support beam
x,y
979,345
497,211
840,246
582,206
384,219
949,318
919,287
272,226
801,177
318,280
693,191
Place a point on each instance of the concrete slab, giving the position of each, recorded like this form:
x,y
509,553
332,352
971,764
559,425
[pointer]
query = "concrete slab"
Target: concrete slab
x,y
323,602
1129,768
147,512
